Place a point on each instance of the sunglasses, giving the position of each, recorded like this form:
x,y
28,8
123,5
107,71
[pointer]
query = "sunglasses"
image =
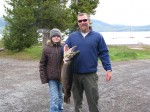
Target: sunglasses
x,y
84,20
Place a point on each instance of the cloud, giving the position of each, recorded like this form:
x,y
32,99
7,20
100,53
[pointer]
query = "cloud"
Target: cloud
x,y
2,8
127,12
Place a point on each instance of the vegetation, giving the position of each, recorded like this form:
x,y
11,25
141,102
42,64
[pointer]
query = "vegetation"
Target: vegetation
x,y
117,53
33,53
19,32
1,44
24,17
123,53
78,6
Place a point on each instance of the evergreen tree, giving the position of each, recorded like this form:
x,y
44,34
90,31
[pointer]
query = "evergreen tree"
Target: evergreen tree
x,y
81,6
51,13
20,31
24,17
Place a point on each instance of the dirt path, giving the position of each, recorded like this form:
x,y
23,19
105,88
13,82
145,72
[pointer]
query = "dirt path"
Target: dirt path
x,y
22,91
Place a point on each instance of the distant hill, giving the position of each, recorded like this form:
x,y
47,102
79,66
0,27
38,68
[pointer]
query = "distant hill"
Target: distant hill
x,y
100,26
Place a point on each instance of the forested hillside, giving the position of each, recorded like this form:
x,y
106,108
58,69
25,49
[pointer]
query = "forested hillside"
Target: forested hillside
x,y
100,26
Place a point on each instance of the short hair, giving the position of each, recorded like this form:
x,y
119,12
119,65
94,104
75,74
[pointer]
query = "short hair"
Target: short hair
x,y
82,14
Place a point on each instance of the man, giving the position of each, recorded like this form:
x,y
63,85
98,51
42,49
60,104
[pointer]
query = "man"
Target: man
x,y
91,46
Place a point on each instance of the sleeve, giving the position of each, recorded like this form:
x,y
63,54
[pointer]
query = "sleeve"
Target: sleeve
x,y
103,53
68,41
42,68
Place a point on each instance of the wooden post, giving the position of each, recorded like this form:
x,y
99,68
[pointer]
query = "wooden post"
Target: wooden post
x,y
45,35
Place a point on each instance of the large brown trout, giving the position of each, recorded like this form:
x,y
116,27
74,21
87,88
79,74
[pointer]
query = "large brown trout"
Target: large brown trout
x,y
67,73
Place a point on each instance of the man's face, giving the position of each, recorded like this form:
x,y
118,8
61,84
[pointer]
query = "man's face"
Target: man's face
x,y
83,23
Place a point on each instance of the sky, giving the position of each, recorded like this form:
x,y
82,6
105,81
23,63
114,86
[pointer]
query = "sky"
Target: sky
x,y
2,8
125,12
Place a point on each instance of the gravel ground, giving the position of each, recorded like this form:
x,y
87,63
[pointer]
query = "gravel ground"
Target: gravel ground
x,y
128,91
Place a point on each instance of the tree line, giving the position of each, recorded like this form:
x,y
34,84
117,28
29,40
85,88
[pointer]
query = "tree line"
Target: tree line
x,y
24,17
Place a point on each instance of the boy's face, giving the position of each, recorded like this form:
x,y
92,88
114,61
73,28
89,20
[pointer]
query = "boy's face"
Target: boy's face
x,y
56,38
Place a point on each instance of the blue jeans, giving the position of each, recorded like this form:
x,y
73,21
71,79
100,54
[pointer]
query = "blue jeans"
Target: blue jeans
x,y
56,96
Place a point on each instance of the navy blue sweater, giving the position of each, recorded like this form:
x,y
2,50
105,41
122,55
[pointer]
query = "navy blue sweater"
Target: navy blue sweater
x,y
91,47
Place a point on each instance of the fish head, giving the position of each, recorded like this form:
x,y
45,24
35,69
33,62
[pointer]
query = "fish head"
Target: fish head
x,y
71,54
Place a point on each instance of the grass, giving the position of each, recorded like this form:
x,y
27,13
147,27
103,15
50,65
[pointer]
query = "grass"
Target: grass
x,y
117,53
33,53
123,53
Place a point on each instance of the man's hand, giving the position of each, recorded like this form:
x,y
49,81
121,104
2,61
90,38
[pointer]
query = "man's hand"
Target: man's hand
x,y
69,53
108,75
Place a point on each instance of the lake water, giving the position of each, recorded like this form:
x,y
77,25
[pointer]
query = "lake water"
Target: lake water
x,y
120,38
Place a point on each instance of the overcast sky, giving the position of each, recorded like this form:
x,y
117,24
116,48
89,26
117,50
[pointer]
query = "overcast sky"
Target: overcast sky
x,y
126,12
1,8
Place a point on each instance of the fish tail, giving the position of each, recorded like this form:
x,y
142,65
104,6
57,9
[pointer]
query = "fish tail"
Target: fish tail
x,y
67,100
